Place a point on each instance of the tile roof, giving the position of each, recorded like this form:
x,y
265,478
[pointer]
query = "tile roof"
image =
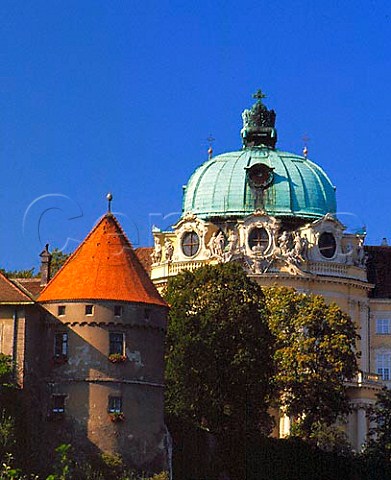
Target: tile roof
x,y
144,255
379,270
104,267
10,293
31,286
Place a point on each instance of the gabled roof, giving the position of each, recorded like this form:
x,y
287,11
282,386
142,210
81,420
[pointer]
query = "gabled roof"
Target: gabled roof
x,y
104,267
10,293
30,286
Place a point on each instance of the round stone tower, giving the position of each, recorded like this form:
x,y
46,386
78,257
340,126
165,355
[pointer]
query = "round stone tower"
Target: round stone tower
x,y
104,347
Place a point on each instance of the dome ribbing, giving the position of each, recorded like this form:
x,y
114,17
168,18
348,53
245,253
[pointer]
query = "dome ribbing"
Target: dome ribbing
x,y
220,187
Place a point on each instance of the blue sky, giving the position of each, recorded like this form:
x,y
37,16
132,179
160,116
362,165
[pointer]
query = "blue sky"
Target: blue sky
x,y
120,96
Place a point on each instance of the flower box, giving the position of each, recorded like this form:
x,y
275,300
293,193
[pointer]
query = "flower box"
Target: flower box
x,y
117,358
59,359
117,417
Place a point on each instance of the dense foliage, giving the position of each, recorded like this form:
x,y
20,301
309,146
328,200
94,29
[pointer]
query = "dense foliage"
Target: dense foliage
x,y
378,447
314,355
219,350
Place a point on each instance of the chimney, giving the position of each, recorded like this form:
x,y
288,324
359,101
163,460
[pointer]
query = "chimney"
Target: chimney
x,y
45,265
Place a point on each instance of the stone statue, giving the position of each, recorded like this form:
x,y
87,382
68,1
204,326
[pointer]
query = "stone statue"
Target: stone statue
x,y
219,244
306,245
232,242
283,243
211,245
216,245
360,253
168,249
348,255
298,247
156,255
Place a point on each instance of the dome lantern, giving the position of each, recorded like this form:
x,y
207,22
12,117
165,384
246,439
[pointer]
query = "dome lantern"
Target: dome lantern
x,y
258,124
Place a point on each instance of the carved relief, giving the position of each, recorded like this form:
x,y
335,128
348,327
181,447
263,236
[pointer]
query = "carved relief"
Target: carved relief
x,y
168,250
216,245
156,255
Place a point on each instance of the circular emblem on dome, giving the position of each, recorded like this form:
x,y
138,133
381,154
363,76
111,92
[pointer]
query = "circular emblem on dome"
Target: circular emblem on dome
x,y
190,243
260,176
327,244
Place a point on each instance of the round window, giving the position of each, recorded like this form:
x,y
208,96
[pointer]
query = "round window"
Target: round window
x,y
327,244
190,244
258,239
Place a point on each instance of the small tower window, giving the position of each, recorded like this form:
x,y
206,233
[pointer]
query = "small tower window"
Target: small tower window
x,y
89,309
117,310
58,403
117,343
61,310
61,345
147,313
115,405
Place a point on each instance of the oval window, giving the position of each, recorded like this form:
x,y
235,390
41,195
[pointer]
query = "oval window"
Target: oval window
x,y
190,244
327,244
258,239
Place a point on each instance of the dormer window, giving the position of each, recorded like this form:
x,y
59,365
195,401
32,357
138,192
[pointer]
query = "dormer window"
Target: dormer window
x,y
89,310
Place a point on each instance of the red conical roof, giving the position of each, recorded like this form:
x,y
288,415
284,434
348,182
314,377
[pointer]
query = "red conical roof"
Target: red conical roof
x,y
104,267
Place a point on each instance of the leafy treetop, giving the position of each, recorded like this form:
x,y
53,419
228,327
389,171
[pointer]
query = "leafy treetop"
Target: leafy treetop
x,y
219,350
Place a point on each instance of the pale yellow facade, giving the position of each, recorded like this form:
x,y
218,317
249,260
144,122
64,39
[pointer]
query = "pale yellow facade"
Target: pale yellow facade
x,y
298,263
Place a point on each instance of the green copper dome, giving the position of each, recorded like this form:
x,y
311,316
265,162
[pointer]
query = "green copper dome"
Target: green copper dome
x,y
259,177
221,187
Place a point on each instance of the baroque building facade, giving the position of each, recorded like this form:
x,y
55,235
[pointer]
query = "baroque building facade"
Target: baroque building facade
x,y
275,213
87,345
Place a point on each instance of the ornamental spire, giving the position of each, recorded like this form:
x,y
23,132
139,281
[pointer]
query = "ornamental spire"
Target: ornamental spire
x,y
258,124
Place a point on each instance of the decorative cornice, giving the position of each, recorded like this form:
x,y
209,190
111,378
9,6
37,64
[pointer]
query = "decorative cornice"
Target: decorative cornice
x,y
51,381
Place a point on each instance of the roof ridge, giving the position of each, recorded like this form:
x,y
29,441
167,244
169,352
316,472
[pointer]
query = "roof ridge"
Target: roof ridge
x,y
73,254
13,286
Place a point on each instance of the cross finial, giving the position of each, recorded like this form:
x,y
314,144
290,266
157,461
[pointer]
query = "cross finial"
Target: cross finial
x,y
210,140
259,95
305,148
109,197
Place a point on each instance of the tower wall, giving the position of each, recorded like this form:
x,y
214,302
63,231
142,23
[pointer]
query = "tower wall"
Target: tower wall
x,y
112,402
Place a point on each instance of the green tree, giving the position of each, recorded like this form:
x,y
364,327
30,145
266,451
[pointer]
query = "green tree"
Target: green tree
x,y
58,260
314,355
18,273
219,350
379,443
